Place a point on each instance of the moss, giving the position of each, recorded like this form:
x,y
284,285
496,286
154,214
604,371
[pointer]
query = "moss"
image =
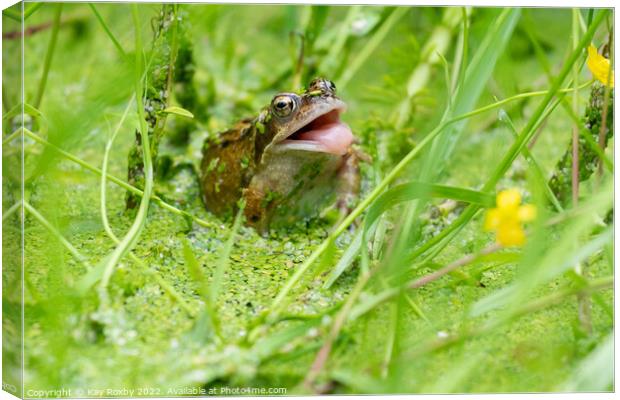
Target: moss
x,y
160,73
561,181
260,127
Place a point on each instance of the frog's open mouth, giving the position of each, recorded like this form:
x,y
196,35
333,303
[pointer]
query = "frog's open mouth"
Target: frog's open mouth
x,y
326,133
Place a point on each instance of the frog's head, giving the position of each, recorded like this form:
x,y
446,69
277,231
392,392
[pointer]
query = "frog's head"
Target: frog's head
x,y
310,121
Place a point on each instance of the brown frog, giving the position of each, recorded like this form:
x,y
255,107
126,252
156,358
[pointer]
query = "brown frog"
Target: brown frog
x,y
288,163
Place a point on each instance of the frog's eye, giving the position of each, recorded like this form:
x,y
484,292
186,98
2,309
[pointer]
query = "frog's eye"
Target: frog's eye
x,y
283,106
332,86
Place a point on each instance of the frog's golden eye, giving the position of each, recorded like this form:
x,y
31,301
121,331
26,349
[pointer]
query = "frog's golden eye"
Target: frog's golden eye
x,y
283,106
325,86
332,86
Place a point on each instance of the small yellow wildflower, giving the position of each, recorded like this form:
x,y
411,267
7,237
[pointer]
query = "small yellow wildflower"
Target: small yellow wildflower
x,y
600,67
508,217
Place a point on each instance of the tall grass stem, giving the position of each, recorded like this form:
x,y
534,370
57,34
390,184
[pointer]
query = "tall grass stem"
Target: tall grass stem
x,y
107,30
135,230
371,46
49,55
52,229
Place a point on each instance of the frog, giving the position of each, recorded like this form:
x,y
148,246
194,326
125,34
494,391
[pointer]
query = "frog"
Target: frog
x,y
286,165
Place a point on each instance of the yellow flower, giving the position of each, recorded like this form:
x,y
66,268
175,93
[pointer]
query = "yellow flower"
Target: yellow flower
x,y
600,67
508,217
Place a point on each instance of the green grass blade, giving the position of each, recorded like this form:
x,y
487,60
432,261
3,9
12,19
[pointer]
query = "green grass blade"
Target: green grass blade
x,y
14,15
594,372
268,345
345,261
329,62
11,210
136,228
419,190
224,259
107,30
52,229
477,74
49,54
104,172
433,52
540,175
32,9
28,11
371,46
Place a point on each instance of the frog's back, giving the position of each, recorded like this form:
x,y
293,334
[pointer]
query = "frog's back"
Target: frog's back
x,y
227,167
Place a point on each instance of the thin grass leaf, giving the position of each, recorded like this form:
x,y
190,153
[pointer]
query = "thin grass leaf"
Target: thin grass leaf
x,y
432,53
104,172
269,345
132,235
32,9
593,373
327,259
178,111
14,15
52,229
391,336
9,138
345,261
372,44
417,309
461,57
28,11
540,175
224,258
330,61
49,54
318,17
107,30
419,190
195,269
458,372
11,210
40,119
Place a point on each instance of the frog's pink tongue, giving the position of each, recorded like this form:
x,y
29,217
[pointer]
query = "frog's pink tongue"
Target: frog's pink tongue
x,y
335,137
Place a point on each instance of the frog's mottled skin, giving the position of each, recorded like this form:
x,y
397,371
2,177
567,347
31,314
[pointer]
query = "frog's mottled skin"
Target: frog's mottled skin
x,y
281,180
